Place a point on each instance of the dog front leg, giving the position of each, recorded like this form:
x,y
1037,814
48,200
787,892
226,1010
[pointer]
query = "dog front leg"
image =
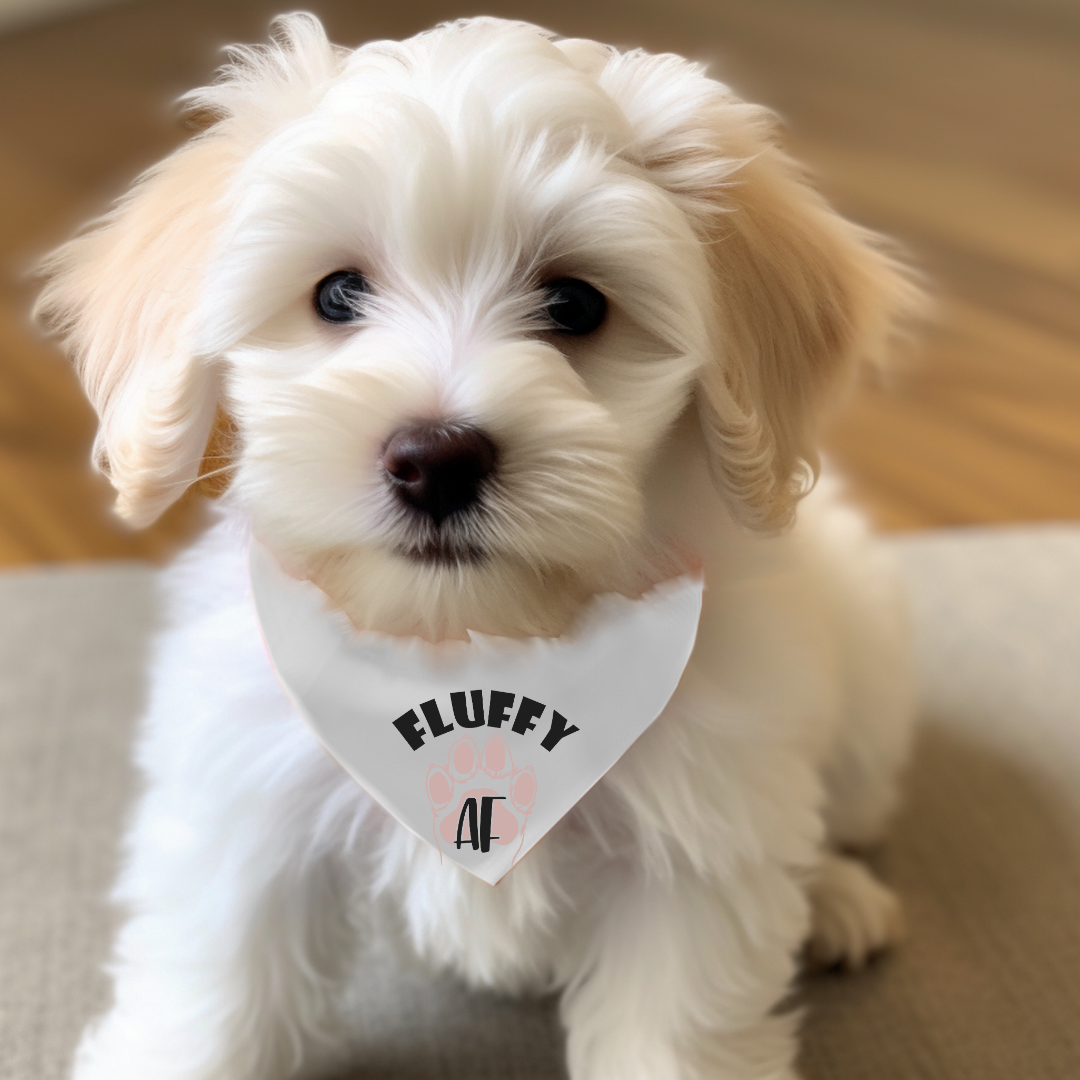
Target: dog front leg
x,y
683,977
228,966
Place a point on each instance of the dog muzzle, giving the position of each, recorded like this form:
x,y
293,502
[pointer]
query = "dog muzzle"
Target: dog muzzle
x,y
478,747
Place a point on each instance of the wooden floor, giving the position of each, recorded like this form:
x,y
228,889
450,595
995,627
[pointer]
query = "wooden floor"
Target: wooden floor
x,y
951,124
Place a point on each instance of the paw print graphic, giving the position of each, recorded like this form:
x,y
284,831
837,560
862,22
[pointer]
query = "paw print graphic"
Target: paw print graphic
x,y
479,798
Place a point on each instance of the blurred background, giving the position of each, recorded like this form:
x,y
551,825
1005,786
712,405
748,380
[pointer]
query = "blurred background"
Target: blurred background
x,y
954,125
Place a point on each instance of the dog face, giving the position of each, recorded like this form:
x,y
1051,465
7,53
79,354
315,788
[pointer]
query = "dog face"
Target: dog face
x,y
453,293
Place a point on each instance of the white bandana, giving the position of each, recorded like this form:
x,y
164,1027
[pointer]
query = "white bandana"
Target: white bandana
x,y
478,747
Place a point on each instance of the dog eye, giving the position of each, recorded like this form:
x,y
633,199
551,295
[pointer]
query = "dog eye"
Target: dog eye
x,y
573,306
338,296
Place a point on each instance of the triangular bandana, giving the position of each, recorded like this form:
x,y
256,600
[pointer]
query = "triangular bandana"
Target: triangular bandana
x,y
478,747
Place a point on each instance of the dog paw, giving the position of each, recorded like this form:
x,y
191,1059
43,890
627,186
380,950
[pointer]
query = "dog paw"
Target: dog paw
x,y
479,798
855,917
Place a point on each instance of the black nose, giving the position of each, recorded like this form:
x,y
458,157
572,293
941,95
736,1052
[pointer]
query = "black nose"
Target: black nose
x,y
437,468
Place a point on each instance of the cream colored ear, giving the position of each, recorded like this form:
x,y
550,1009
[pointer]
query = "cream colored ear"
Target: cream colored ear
x,y
121,296
802,296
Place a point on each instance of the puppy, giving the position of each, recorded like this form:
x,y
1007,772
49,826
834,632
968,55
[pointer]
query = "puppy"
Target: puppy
x,y
501,321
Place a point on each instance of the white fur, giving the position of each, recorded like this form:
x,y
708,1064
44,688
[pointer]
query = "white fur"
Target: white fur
x,y
461,170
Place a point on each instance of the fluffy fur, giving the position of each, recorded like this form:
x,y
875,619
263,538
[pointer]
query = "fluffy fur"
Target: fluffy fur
x,y
460,170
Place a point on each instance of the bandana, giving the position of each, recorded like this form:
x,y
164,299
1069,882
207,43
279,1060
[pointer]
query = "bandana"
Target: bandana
x,y
478,747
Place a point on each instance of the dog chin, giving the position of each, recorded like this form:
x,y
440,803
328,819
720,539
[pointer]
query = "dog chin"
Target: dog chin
x,y
447,553
453,544
442,590
441,587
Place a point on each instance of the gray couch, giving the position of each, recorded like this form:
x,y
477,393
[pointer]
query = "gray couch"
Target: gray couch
x,y
986,853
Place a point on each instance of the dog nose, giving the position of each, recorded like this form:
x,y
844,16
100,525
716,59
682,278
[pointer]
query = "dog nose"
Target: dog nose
x,y
438,467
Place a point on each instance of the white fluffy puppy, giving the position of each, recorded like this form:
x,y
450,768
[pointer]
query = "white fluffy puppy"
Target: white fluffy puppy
x,y
500,320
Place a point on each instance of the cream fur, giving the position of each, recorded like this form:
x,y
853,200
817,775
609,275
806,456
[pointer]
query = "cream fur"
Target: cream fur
x,y
460,170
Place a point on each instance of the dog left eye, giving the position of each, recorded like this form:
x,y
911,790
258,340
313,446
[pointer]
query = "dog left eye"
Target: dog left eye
x,y
574,306
338,296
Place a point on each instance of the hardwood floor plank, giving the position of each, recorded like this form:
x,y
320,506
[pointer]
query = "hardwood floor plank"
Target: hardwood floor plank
x,y
992,216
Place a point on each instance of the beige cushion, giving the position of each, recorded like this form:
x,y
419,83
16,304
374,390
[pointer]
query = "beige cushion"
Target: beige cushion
x,y
986,853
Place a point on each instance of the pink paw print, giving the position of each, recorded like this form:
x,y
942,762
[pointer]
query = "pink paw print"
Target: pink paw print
x,y
479,799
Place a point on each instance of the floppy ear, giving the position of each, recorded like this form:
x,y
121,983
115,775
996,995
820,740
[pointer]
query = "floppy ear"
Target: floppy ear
x,y
121,296
802,296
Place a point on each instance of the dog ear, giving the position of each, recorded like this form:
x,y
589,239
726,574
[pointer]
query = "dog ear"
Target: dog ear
x,y
121,296
802,295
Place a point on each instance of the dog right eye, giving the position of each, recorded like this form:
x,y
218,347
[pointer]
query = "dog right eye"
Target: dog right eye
x,y
574,306
339,295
